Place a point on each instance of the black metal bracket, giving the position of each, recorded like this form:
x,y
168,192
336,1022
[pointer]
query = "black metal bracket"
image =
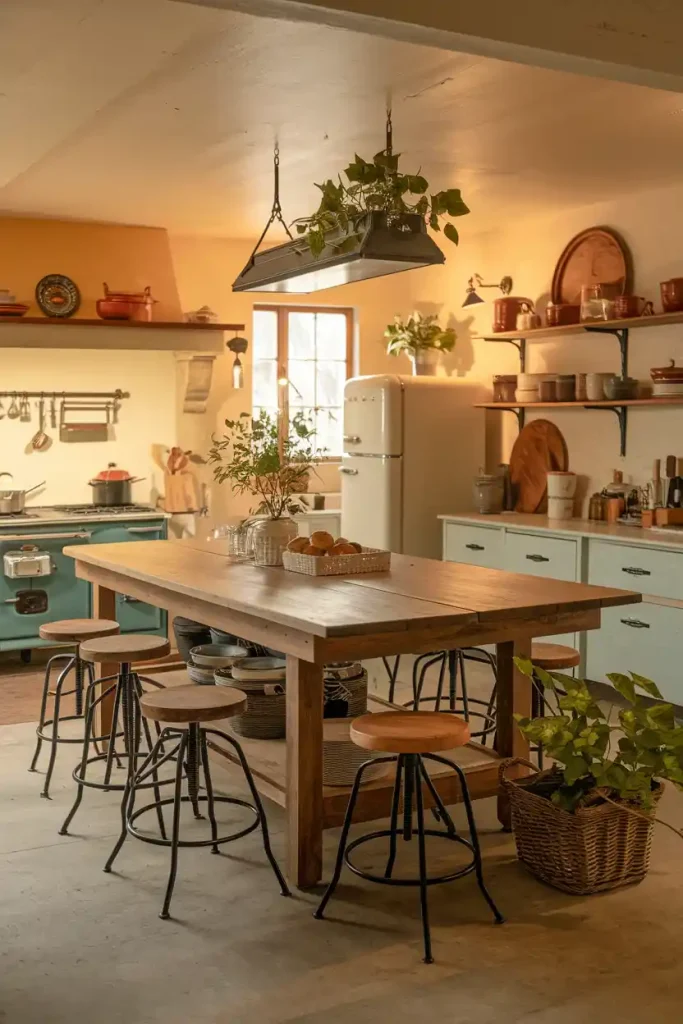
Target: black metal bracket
x,y
621,412
520,345
520,414
621,334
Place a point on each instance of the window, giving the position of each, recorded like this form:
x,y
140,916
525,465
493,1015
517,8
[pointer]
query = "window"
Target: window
x,y
302,358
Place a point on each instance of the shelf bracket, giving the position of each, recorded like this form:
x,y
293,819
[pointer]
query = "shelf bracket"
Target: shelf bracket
x,y
519,413
621,334
520,345
621,412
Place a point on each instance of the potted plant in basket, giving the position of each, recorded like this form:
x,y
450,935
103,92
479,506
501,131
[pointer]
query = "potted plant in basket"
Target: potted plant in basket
x,y
585,824
421,338
254,459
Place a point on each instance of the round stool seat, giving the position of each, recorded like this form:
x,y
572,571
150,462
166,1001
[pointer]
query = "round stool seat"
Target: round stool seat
x,y
122,649
75,630
554,656
188,704
409,732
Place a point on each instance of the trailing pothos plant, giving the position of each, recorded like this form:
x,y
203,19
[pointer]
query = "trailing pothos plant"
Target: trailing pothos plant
x,y
597,760
418,333
254,459
377,185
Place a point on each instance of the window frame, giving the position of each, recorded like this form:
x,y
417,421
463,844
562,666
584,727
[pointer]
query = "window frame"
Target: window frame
x,y
282,311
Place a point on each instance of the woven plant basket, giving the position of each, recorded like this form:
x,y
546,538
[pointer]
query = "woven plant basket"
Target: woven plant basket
x,y
266,713
593,850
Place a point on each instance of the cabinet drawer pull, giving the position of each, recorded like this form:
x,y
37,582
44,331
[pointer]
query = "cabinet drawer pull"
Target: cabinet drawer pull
x,y
351,439
537,558
349,472
633,570
127,599
475,547
636,623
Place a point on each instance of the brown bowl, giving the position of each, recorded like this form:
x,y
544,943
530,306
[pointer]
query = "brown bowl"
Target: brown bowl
x,y
672,295
671,373
562,314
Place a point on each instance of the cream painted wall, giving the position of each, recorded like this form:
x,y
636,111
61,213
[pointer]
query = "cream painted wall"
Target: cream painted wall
x,y
205,269
652,224
128,258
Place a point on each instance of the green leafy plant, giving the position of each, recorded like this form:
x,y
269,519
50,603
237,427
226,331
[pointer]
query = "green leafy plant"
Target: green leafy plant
x,y
377,185
252,457
416,334
598,760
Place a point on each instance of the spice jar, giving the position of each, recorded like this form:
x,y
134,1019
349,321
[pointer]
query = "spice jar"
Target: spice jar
x,y
488,493
547,391
596,509
504,387
565,387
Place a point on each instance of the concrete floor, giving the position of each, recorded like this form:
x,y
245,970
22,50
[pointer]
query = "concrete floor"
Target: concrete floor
x,y
76,944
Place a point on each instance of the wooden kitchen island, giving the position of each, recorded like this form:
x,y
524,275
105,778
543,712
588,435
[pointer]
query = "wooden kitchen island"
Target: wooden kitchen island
x,y
419,605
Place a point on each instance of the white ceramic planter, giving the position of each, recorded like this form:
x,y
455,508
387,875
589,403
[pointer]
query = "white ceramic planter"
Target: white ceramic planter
x,y
271,537
426,362
561,485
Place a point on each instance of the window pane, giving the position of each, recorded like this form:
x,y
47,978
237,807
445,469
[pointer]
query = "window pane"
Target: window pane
x,y
302,335
330,379
257,410
265,382
301,382
331,336
329,431
265,334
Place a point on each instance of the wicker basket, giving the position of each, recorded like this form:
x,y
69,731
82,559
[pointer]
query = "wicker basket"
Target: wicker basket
x,y
354,691
368,560
265,717
592,850
342,758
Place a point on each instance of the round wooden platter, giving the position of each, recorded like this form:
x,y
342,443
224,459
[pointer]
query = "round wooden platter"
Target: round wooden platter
x,y
539,448
596,256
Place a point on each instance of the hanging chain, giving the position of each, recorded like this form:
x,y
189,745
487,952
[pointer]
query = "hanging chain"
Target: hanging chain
x,y
389,132
276,210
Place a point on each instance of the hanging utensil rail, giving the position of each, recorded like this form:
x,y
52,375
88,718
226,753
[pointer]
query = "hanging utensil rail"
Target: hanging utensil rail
x,y
112,396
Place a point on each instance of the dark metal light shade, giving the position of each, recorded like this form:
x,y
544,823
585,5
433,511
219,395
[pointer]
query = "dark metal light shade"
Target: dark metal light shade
x,y
382,249
472,299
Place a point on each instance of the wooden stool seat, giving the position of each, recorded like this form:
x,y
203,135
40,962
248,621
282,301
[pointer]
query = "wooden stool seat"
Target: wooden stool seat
x,y
73,631
554,657
409,732
188,704
123,649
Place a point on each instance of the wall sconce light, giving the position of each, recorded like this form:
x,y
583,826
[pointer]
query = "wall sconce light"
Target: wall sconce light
x,y
239,346
471,297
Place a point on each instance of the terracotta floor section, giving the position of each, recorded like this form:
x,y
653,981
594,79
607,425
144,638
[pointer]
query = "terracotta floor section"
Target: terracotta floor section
x,y
21,687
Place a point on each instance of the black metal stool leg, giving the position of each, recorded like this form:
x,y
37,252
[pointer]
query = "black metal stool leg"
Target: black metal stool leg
x,y
453,680
175,828
426,935
439,810
393,825
463,687
111,745
78,687
43,706
150,747
408,789
82,767
393,675
55,729
208,785
259,807
192,768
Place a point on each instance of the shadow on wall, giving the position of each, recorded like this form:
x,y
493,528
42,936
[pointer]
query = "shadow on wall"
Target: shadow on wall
x,y
461,360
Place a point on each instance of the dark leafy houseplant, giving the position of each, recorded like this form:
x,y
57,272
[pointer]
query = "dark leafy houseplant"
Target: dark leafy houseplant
x,y
377,185
418,333
600,761
252,457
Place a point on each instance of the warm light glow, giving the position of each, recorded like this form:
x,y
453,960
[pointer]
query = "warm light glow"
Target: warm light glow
x,y
283,382
237,373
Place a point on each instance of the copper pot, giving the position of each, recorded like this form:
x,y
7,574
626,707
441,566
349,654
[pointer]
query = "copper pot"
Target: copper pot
x,y
630,306
115,309
505,312
562,314
672,295
671,373
125,305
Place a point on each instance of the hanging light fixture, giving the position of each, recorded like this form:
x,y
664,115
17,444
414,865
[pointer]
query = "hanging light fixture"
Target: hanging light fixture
x,y
471,297
239,346
378,249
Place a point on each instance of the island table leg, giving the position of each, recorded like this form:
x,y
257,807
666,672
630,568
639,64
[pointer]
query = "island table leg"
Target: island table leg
x,y
304,772
513,698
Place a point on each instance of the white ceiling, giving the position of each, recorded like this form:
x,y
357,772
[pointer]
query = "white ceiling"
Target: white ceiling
x,y
154,112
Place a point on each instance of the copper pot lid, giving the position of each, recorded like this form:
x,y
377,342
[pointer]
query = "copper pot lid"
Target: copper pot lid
x,y
671,372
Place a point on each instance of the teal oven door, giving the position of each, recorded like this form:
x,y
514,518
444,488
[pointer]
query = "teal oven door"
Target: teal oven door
x,y
133,616
26,603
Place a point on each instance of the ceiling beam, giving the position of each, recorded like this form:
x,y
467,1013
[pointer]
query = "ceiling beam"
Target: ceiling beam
x,y
623,40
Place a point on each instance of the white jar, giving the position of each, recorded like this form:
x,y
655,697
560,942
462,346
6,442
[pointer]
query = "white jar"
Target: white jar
x,y
560,508
561,485
526,396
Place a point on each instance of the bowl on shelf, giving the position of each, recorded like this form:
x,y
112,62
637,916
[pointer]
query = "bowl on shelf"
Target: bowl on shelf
x,y
670,374
525,396
621,387
215,656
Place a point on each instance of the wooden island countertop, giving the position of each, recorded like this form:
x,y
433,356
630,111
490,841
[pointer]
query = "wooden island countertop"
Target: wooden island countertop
x,y
419,605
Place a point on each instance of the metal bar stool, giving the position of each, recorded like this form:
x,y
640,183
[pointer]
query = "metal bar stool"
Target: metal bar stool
x,y
66,632
126,719
411,738
458,703
186,707
552,658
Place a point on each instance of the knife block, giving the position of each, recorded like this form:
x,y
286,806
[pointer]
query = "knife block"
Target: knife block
x,y
180,492
669,516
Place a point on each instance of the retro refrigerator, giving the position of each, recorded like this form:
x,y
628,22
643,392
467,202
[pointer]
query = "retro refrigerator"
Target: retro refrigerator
x,y
412,446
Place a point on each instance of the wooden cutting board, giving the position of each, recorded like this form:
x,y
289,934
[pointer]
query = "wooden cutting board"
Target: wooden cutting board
x,y
539,447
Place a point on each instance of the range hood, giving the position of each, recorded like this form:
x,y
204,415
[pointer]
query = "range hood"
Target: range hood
x,y
381,248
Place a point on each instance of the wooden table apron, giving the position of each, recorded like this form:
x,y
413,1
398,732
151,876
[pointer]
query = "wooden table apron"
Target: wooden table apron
x,y
309,812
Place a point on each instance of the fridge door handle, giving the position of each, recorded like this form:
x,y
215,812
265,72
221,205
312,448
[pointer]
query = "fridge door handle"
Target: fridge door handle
x,y
349,472
142,529
352,439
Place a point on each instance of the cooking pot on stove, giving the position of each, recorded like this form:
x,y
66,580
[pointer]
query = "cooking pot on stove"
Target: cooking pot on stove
x,y
113,486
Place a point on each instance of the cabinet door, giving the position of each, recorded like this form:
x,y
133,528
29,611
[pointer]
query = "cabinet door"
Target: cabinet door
x,y
132,615
474,545
643,638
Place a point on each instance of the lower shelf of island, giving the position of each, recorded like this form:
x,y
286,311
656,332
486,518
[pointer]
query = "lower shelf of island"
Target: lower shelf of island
x,y
267,760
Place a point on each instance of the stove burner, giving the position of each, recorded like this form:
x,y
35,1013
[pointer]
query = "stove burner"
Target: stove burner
x,y
98,510
18,515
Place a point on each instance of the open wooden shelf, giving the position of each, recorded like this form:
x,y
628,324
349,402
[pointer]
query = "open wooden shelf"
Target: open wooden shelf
x,y
86,333
616,404
598,326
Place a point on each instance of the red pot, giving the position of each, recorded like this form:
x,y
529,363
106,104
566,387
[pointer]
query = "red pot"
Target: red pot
x,y
125,305
505,312
115,309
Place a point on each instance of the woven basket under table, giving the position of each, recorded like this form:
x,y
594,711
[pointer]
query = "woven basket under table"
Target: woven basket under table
x,y
592,850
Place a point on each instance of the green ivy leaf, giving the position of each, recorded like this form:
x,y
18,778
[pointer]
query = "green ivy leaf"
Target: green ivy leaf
x,y
417,185
451,233
623,685
646,684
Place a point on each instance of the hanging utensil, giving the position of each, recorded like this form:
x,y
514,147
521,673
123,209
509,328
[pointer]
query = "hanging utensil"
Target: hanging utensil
x,y
53,412
13,412
2,411
40,440
25,410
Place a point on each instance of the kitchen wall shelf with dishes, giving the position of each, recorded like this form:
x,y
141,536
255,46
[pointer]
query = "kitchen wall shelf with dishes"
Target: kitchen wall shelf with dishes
x,y
620,329
85,333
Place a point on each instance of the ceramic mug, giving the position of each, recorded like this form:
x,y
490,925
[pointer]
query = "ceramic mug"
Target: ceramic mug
x,y
595,386
629,306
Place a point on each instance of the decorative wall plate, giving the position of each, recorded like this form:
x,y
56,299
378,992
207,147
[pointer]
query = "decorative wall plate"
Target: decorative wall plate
x,y
595,256
58,295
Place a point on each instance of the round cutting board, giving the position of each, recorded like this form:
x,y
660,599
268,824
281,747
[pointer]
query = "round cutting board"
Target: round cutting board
x,y
539,447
